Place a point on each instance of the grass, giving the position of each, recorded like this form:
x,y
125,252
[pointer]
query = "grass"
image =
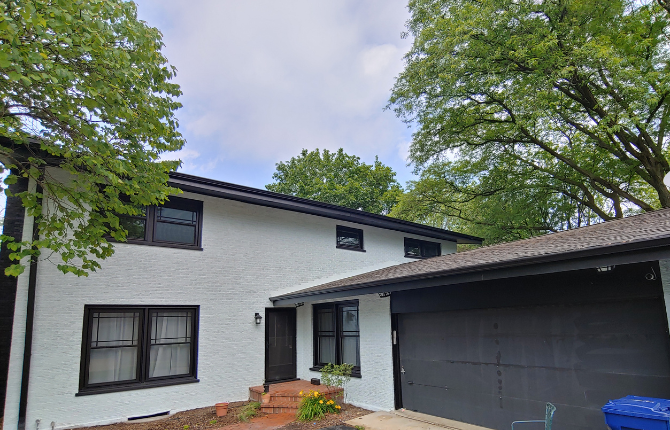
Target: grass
x,y
249,411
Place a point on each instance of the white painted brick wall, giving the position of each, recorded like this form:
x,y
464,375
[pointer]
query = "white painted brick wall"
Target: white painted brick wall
x,y
250,253
374,389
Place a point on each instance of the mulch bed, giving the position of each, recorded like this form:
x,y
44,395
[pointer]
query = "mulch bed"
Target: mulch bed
x,y
195,419
347,413
205,418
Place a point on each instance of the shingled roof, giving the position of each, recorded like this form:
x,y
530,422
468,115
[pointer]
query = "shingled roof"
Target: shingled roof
x,y
629,234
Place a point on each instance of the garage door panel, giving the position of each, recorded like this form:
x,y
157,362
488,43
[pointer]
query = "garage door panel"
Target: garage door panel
x,y
574,320
623,353
491,366
452,376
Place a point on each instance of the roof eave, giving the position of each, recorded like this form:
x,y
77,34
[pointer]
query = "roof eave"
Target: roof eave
x,y
633,252
259,197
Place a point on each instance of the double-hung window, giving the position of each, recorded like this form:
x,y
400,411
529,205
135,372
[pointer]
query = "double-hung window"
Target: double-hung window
x,y
130,347
177,223
337,335
415,248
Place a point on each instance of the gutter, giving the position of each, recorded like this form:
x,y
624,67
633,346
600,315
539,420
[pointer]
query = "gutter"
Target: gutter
x,y
260,197
624,253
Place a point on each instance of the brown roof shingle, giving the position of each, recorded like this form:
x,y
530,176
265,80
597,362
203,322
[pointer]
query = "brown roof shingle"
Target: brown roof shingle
x,y
637,228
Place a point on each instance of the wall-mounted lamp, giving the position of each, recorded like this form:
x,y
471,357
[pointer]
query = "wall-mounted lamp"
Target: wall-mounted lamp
x,y
603,269
258,318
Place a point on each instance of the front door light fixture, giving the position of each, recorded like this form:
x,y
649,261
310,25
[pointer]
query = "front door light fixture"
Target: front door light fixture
x,y
258,318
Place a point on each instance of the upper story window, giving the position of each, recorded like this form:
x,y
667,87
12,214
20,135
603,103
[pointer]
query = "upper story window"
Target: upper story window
x,y
349,238
177,223
415,248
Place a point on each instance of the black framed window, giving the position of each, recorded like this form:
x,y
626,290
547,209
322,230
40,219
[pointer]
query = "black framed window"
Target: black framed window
x,y
415,248
131,347
177,223
349,238
337,335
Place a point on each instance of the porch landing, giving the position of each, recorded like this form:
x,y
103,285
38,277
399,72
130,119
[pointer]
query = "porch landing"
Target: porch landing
x,y
284,397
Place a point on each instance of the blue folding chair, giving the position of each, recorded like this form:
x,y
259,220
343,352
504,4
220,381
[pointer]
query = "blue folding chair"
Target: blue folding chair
x,y
548,418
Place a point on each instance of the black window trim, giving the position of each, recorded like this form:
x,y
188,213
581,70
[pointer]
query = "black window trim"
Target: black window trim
x,y
151,220
421,244
142,381
356,372
360,248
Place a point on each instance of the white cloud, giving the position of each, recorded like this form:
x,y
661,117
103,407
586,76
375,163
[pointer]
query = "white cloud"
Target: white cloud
x,y
379,59
182,154
403,151
263,79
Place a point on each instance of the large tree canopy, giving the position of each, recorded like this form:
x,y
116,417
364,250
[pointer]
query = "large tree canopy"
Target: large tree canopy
x,y
86,82
559,107
338,178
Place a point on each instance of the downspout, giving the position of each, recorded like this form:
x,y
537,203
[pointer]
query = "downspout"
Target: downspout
x,y
28,344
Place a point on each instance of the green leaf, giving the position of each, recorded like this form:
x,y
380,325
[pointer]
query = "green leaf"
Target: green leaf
x,y
14,270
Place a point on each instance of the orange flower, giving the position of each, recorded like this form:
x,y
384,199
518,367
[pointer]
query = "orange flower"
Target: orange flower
x,y
338,407
300,393
321,401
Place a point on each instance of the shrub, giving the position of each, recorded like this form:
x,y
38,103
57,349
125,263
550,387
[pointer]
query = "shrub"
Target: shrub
x,y
336,375
314,406
248,411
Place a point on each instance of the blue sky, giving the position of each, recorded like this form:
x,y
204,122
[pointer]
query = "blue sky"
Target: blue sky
x,y
264,79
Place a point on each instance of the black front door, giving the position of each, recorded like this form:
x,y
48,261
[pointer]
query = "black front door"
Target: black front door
x,y
279,344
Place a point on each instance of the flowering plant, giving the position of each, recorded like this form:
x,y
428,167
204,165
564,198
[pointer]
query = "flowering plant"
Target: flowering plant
x,y
315,405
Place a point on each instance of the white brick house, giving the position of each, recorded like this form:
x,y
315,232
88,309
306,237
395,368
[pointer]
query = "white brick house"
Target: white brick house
x,y
228,285
203,268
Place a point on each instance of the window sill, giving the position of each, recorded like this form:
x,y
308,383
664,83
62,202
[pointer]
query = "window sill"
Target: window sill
x,y
350,249
161,244
415,257
136,386
354,374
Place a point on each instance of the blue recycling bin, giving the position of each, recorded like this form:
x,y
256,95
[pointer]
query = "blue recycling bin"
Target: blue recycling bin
x,y
637,413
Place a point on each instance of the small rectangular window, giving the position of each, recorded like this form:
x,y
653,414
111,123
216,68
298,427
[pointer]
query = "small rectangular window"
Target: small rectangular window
x,y
349,238
134,346
415,248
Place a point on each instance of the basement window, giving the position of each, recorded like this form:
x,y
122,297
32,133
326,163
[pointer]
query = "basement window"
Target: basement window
x,y
415,248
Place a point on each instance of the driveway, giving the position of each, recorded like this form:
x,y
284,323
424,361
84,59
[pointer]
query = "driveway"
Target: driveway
x,y
408,420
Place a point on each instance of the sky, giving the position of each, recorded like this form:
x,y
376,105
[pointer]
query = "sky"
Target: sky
x,y
263,79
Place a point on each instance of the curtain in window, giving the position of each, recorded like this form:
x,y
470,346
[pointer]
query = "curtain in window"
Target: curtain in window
x,y
326,336
350,345
114,339
171,337
176,225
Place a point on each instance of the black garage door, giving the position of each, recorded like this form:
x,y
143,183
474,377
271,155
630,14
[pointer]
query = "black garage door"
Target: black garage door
x,y
492,366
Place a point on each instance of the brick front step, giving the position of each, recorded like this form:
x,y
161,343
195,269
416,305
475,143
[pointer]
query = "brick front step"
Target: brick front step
x,y
279,407
285,396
